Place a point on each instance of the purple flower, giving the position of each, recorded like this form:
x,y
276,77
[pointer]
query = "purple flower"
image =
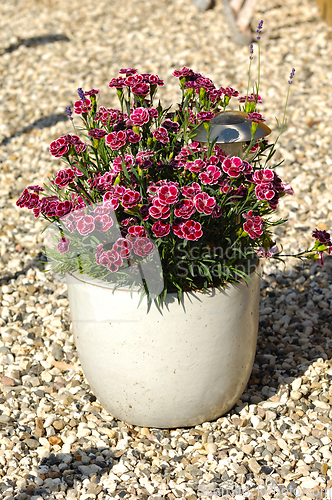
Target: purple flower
x,y
251,51
259,29
323,238
291,76
81,94
144,211
190,85
143,159
69,112
239,194
153,113
205,83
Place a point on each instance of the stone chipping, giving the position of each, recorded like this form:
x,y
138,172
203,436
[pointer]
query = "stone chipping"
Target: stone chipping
x,y
56,441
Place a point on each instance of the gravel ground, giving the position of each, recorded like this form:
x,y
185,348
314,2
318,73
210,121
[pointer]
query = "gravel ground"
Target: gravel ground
x,y
56,441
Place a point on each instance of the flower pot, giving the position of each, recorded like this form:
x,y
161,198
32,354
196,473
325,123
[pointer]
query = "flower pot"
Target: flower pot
x,y
172,367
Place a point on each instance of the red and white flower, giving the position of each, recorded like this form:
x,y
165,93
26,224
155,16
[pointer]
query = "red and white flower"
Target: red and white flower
x,y
63,245
161,135
130,198
59,147
63,208
253,225
136,231
264,176
204,203
140,89
210,175
64,177
103,222
140,116
168,194
158,210
191,230
110,200
191,191
110,259
161,229
264,192
85,225
143,247
184,208
233,166
195,166
123,247
82,106
128,160
116,140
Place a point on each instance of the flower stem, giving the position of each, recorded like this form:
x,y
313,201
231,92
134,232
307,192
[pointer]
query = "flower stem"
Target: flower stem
x,y
249,70
259,69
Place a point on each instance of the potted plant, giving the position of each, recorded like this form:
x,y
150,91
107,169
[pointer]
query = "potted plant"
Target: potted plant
x,y
159,226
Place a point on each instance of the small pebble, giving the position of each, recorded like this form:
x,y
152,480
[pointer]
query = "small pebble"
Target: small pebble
x,y
55,440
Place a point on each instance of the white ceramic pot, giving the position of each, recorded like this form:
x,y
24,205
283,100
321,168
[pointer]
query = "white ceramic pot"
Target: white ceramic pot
x,y
176,367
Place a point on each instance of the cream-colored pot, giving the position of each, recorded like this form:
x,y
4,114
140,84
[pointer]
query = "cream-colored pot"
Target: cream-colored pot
x,y
175,367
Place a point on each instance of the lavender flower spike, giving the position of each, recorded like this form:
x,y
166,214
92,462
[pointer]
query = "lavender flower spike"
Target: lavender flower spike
x,y
81,94
291,76
259,29
251,51
69,112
